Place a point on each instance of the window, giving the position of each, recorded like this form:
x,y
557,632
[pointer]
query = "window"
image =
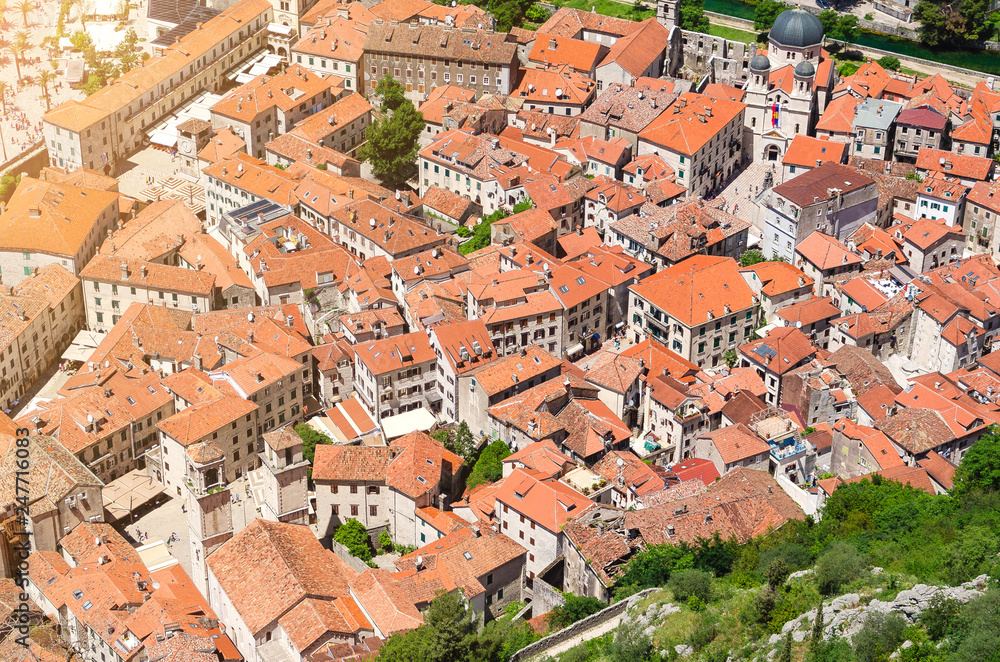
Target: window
x,y
373,511
354,510
354,489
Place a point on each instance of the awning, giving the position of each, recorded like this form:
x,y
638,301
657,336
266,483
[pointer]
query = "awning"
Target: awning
x,y
407,422
124,495
619,325
166,138
83,346
278,28
574,349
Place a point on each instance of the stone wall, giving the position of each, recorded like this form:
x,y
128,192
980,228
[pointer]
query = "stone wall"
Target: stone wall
x,y
30,161
544,597
345,556
579,629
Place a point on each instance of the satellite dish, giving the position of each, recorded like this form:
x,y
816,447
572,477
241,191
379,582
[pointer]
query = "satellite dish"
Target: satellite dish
x,y
621,462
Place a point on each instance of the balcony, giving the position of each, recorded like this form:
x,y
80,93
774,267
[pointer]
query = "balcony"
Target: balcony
x,y
787,452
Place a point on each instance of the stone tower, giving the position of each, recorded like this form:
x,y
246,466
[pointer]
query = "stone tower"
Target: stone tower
x,y
209,509
667,13
284,473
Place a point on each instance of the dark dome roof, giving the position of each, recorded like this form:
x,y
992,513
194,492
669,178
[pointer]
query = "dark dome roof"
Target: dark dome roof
x,y
760,63
796,28
805,69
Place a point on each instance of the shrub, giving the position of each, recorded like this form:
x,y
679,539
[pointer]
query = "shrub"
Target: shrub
x,y
879,637
488,467
839,565
575,608
630,644
978,629
687,583
704,633
939,616
385,541
890,63
353,535
776,573
310,439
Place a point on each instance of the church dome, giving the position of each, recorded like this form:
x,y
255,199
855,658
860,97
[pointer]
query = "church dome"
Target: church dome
x,y
796,28
760,63
805,69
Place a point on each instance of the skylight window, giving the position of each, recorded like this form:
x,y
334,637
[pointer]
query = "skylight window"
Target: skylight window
x,y
421,479
580,281
468,557
87,605
564,289
130,400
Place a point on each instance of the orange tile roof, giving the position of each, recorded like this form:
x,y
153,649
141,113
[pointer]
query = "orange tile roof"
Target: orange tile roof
x,y
52,218
392,354
269,568
639,49
807,151
224,144
690,290
826,252
875,441
684,131
547,502
335,38
542,457
581,55
810,311
839,115
782,350
136,273
736,443
778,277
386,602
659,360
252,175
285,91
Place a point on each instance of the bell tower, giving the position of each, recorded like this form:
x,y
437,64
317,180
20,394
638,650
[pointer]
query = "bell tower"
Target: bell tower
x,y
667,13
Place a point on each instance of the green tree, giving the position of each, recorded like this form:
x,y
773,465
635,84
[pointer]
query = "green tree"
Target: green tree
x,y
17,47
44,79
942,21
8,183
575,608
829,18
391,93
980,466
488,467
508,15
839,565
391,145
816,641
750,257
765,12
412,646
81,41
353,535
890,63
652,567
24,8
481,235
849,68
94,83
692,15
776,574
310,439
977,637
4,86
125,52
731,358
687,583
879,637
940,616
458,440
453,623
847,28
524,204
785,653
537,14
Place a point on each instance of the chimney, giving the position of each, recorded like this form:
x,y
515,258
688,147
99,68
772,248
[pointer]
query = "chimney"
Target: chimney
x,y
552,44
142,270
197,361
124,268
